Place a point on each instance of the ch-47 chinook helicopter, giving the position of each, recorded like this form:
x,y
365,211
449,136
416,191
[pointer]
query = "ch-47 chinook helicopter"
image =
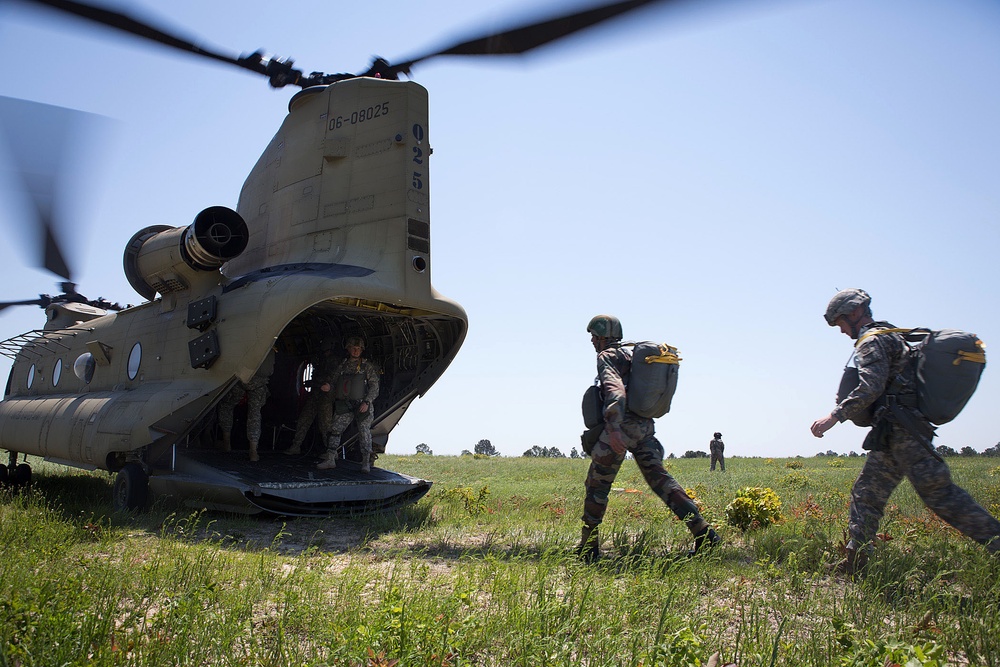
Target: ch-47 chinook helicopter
x,y
330,239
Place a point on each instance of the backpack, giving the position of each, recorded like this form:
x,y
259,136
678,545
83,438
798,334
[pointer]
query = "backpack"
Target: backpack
x,y
948,365
652,379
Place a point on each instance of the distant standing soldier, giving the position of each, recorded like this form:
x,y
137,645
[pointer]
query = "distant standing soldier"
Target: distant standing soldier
x,y
899,443
623,432
717,447
256,392
319,406
356,388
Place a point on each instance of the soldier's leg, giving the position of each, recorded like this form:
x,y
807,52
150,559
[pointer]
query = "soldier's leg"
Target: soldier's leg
x,y
324,419
649,457
256,398
715,457
365,439
225,415
604,466
932,480
722,462
337,428
880,475
303,423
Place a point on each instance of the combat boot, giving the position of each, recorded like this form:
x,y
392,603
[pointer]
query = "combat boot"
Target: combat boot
x,y
853,565
294,450
253,451
329,461
704,540
226,445
589,549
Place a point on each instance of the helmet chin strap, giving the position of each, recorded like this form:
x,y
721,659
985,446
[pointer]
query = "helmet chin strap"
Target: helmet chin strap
x,y
855,329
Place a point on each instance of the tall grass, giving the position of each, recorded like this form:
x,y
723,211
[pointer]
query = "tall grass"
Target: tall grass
x,y
481,572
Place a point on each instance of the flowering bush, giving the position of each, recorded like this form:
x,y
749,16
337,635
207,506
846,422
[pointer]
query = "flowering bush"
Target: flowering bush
x,y
754,507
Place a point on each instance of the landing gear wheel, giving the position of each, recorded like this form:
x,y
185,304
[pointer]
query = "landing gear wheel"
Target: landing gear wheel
x,y
131,490
21,475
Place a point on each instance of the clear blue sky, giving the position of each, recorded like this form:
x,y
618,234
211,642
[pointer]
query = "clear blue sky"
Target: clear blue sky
x,y
711,176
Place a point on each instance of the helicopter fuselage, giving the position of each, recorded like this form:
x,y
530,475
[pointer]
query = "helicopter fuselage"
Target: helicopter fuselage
x,y
337,244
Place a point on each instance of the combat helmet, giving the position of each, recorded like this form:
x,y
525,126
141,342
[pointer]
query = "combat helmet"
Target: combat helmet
x,y
845,302
354,340
605,326
718,435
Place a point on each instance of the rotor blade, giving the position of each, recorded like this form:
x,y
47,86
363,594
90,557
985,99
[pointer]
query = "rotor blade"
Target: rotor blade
x,y
525,38
31,302
125,23
38,137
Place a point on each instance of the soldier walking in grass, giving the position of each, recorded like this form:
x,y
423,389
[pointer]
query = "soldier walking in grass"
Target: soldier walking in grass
x,y
622,432
899,443
717,447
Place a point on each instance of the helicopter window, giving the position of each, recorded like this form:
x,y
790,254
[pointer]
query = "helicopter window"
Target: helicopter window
x,y
56,372
31,376
84,367
305,377
134,358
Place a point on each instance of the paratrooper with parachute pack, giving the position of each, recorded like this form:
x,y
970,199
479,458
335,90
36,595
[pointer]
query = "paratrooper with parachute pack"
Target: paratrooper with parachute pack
x,y
887,392
623,431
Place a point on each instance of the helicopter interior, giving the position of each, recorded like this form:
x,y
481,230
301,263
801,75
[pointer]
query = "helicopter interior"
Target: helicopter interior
x,y
406,350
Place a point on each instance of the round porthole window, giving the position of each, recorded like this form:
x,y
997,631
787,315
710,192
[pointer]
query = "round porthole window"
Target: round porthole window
x,y
84,366
31,376
134,359
56,372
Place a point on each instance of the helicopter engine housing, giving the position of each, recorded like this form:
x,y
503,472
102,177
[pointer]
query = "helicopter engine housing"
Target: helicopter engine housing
x,y
170,259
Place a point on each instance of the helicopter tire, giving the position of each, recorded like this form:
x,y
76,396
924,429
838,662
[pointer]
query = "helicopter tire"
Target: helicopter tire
x,y
21,475
131,489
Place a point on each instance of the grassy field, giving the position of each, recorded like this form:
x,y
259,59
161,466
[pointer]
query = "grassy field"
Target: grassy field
x,y
481,572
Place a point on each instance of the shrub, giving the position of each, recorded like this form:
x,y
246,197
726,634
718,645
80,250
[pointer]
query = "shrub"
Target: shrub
x,y
754,507
794,465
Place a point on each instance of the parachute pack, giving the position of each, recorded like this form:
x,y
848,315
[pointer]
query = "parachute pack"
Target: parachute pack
x,y
653,378
651,383
948,365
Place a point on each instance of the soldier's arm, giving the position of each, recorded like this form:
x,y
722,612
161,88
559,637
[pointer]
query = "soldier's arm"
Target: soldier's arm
x,y
874,363
372,378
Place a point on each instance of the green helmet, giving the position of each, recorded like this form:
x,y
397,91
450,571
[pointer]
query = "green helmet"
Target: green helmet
x,y
845,302
605,326
355,340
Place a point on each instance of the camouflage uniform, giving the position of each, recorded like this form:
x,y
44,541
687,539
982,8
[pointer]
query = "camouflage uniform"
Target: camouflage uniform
x,y
347,411
883,368
613,365
256,392
717,447
318,407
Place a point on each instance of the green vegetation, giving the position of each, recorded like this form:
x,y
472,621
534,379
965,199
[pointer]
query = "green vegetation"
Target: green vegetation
x,y
480,572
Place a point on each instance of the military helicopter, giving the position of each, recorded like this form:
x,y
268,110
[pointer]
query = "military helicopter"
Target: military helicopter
x,y
330,240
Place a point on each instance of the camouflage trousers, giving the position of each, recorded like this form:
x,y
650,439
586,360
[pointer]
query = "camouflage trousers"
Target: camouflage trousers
x,y
906,457
717,457
319,408
342,421
648,454
256,393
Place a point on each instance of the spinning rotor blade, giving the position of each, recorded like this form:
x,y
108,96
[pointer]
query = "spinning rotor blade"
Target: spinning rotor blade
x,y
525,38
38,136
30,302
280,72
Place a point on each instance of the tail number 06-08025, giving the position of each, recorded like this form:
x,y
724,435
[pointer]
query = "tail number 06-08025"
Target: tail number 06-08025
x,y
360,116
418,156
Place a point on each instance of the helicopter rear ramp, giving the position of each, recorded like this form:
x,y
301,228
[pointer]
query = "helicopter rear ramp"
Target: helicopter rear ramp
x,y
282,485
